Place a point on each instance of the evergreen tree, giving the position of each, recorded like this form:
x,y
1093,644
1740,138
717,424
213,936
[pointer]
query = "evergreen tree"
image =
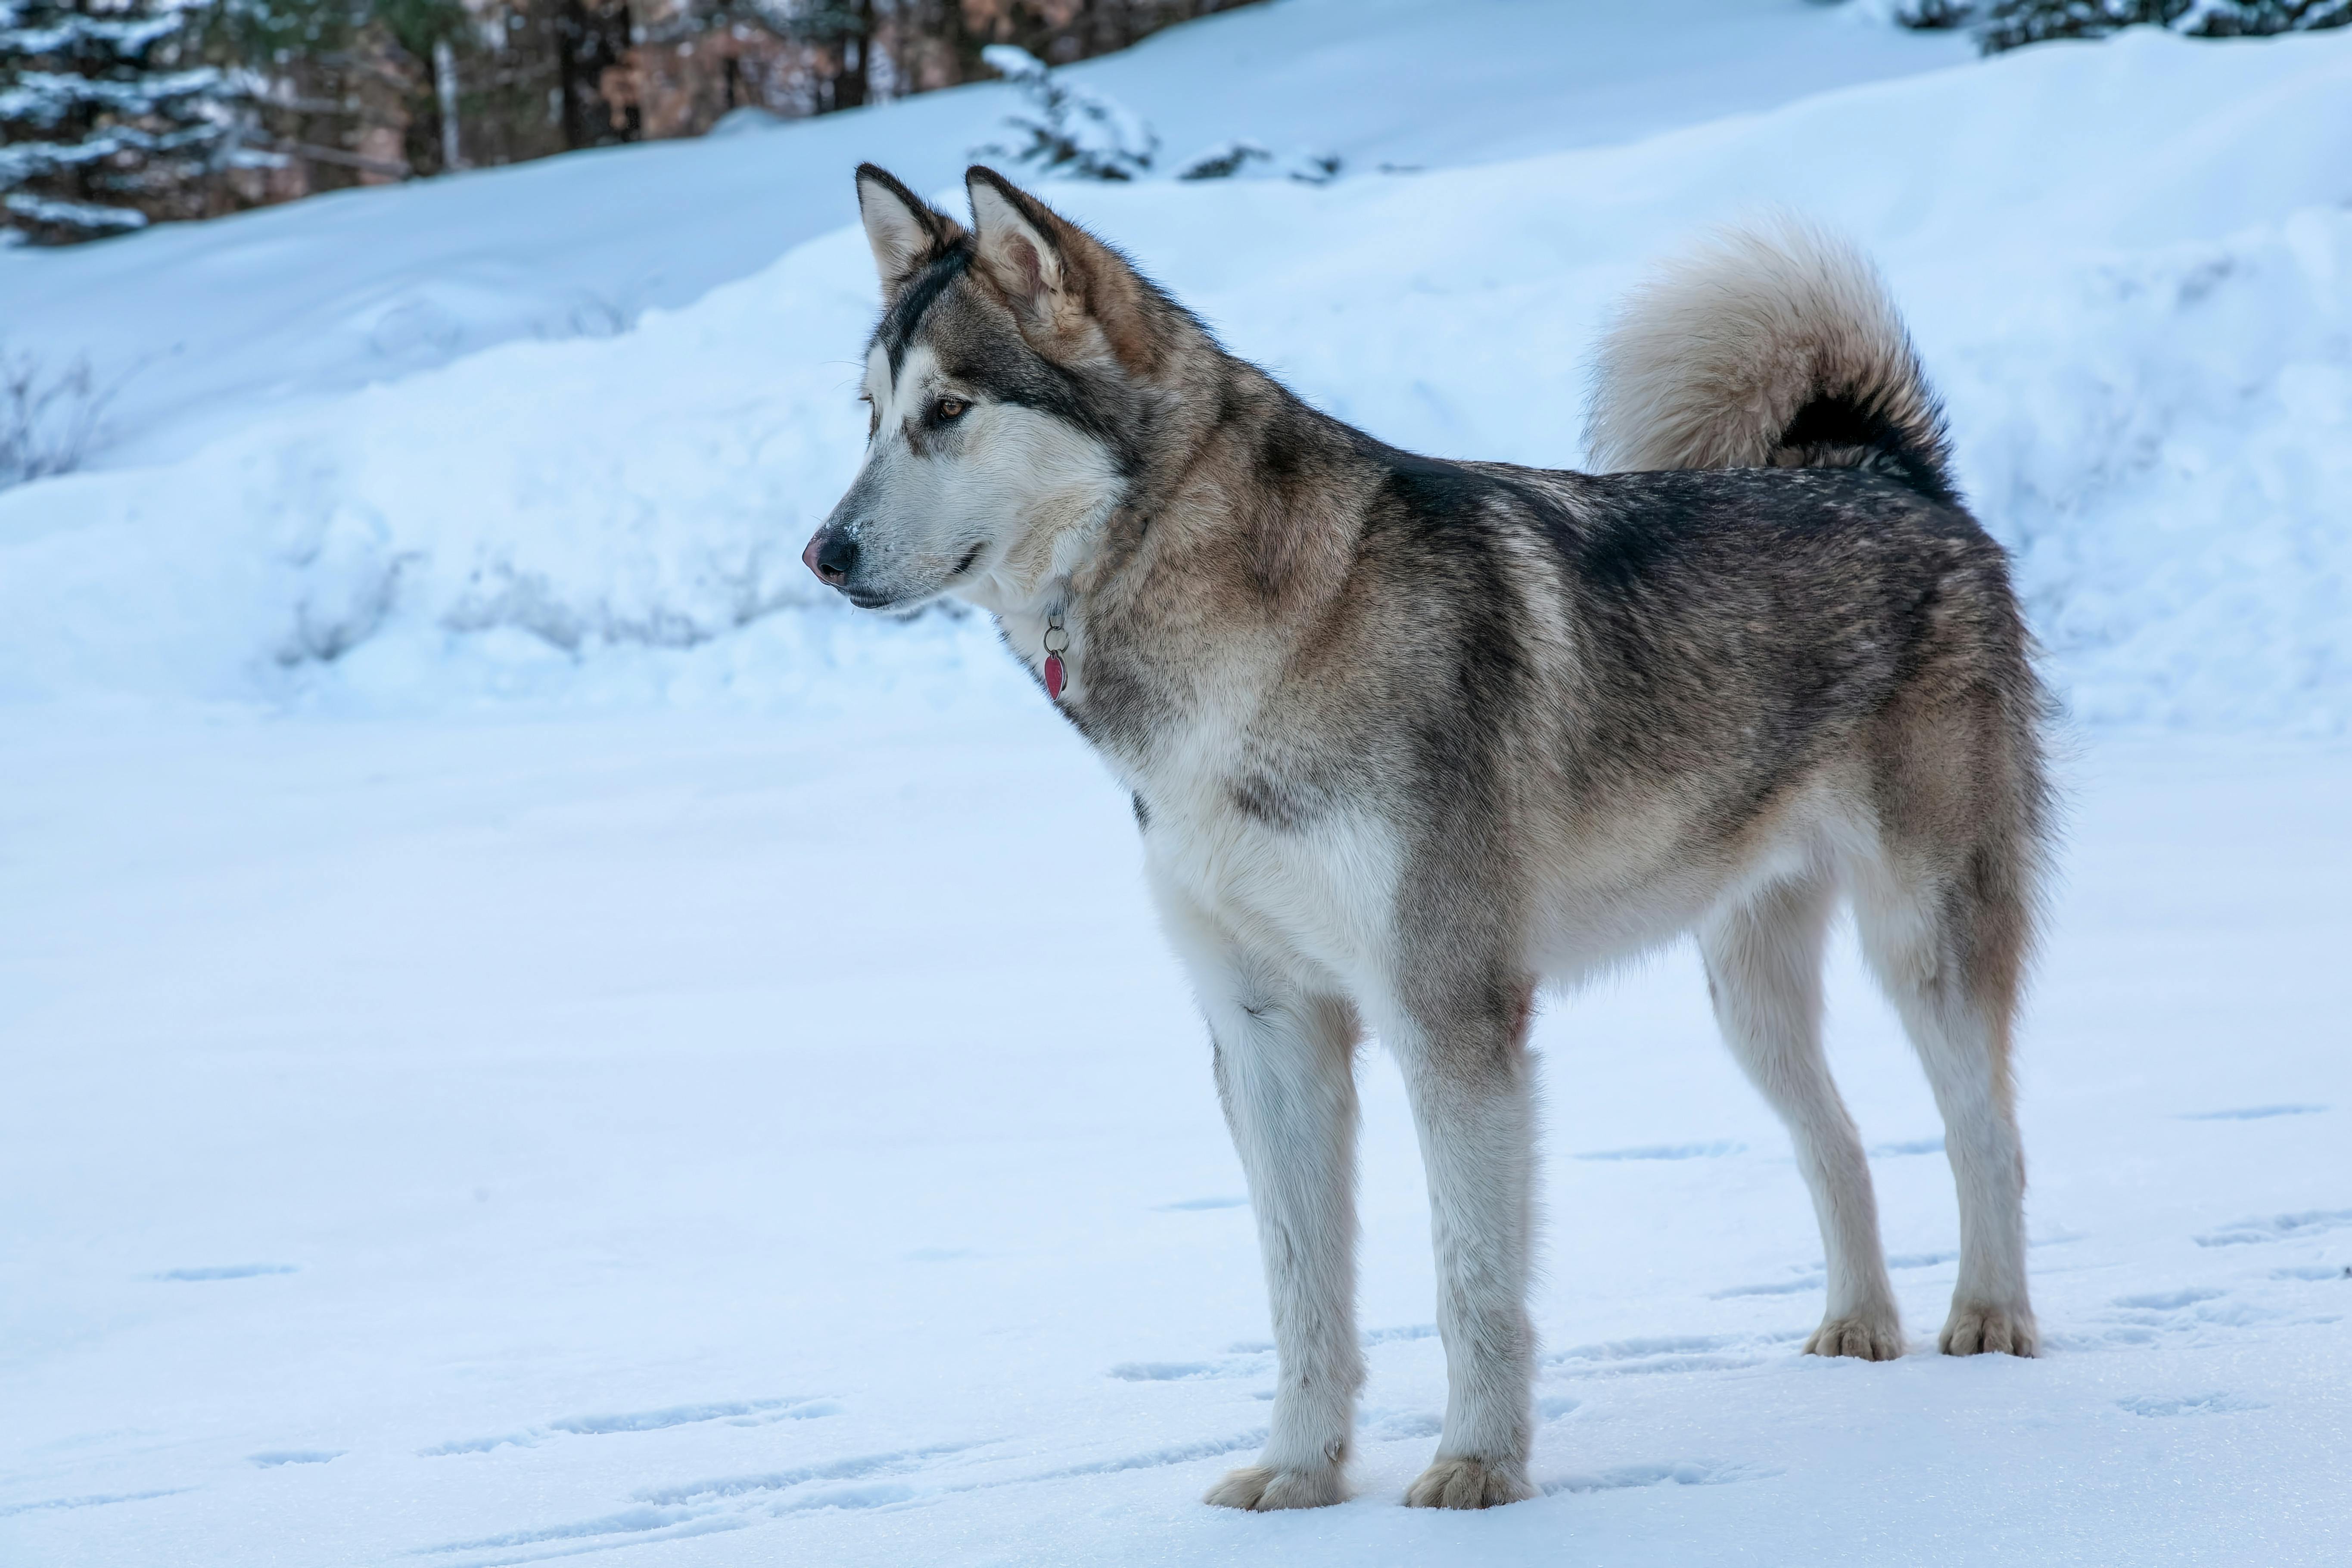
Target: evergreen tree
x,y
110,116
116,113
1063,128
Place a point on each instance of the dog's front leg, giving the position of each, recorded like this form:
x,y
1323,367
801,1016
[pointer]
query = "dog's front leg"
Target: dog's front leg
x,y
1285,1072
1468,1074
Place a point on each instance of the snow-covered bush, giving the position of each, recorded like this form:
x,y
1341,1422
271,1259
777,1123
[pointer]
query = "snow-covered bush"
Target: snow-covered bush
x,y
49,420
1314,168
1224,161
1064,128
1231,160
2006,23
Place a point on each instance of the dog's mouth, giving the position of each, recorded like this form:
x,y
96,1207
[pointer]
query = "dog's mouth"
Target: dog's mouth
x,y
867,599
839,573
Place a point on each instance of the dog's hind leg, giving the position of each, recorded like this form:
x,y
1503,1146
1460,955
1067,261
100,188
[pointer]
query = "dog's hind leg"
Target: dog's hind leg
x,y
1286,1073
1764,972
1468,1074
1948,947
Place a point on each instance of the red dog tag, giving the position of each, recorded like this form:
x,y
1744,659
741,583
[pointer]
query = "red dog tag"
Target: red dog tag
x,y
1054,676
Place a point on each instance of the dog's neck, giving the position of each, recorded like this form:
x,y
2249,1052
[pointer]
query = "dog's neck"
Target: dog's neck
x,y
1183,601
1093,561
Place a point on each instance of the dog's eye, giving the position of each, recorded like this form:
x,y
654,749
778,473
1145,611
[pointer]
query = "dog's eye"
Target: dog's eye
x,y
948,409
873,413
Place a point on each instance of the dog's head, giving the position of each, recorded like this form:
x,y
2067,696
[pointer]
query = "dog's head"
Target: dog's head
x,y
1016,366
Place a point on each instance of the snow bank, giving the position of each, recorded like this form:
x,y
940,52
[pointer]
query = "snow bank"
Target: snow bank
x,y
2129,266
206,326
2179,488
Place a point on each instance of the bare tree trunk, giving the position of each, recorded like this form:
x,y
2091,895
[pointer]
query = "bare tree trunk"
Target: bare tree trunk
x,y
380,86
444,85
592,37
963,43
849,87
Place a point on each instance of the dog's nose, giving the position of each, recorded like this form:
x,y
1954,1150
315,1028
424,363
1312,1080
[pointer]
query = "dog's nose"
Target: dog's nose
x,y
831,555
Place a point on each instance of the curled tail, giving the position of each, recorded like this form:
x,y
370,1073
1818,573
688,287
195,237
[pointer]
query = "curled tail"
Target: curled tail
x,y
1772,345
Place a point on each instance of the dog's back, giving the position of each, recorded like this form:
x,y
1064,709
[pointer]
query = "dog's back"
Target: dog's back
x,y
1776,592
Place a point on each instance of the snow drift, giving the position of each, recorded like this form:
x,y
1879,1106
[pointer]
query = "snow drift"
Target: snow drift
x,y
2128,267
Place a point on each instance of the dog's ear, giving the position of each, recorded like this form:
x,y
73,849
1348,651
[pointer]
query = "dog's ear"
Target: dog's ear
x,y
1071,293
1019,247
905,233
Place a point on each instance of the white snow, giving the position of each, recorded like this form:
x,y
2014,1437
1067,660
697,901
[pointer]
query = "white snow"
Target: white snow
x,y
790,1142
526,1032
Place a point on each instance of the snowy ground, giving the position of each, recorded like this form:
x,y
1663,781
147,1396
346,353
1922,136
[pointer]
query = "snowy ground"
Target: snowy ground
x,y
470,1145
526,1035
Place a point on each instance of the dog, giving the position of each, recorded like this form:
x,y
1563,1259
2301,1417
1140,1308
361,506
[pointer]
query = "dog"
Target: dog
x,y
1408,737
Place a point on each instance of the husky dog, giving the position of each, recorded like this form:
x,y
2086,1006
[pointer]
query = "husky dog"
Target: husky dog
x,y
1408,737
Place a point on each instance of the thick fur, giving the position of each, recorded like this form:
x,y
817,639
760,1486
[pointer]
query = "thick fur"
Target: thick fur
x,y
1410,738
1774,346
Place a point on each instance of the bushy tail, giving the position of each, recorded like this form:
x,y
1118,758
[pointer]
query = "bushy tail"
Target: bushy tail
x,y
1770,346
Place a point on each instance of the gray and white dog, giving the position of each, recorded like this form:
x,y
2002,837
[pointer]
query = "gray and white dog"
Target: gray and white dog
x,y
1409,738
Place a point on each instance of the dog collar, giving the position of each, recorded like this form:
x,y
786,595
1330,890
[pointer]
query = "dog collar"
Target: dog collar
x,y
1057,642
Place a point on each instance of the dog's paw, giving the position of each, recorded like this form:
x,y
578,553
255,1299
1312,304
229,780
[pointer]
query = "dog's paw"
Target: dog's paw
x,y
1468,1483
1976,1328
1871,1336
1262,1490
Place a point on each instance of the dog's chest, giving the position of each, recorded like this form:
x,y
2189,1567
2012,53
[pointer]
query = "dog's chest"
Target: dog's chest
x,y
1323,890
